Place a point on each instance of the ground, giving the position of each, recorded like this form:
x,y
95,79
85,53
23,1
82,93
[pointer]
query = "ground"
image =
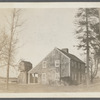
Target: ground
x,y
36,88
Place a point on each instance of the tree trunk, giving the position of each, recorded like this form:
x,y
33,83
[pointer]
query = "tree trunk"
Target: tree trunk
x,y
9,50
87,48
94,73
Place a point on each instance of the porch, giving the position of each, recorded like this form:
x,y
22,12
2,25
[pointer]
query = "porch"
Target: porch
x,y
33,78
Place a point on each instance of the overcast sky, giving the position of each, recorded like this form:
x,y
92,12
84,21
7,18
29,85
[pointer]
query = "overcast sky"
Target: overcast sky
x,y
44,30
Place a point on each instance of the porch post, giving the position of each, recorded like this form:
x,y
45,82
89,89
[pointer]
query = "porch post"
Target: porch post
x,y
34,77
28,78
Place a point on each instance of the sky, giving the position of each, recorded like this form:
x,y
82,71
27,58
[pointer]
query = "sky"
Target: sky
x,y
43,30
46,29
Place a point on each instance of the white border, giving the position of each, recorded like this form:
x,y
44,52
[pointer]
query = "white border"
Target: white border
x,y
53,95
51,5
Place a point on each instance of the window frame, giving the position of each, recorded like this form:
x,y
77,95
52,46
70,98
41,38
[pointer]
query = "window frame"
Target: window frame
x,y
44,78
44,64
57,76
56,63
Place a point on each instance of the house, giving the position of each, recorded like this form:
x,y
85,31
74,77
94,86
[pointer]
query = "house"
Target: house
x,y
58,67
24,67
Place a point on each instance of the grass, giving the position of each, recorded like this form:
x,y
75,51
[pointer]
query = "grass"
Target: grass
x,y
37,88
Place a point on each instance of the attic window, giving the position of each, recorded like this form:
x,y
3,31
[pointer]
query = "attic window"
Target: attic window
x,y
57,63
44,64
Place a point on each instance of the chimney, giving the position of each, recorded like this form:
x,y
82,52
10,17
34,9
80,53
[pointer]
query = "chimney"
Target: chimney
x,y
65,50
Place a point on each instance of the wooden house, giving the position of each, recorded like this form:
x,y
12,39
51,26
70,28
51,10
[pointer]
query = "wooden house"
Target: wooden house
x,y
24,67
58,67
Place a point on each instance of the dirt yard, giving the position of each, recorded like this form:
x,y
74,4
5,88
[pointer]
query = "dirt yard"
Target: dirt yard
x,y
36,88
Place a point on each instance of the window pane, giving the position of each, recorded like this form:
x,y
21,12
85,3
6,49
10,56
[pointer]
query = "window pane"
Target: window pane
x,y
57,63
44,78
44,64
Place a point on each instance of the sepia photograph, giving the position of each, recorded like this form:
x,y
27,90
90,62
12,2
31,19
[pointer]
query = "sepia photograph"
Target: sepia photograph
x,y
50,48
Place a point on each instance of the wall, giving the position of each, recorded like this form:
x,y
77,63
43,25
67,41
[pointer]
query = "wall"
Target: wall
x,y
23,78
77,72
21,66
24,67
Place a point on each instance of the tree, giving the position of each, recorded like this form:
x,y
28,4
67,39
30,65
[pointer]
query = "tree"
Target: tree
x,y
14,26
96,59
87,20
3,44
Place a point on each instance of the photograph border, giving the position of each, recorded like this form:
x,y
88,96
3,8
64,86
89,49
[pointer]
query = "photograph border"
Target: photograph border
x,y
50,5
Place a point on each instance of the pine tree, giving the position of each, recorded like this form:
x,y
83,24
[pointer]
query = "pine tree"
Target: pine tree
x,y
87,32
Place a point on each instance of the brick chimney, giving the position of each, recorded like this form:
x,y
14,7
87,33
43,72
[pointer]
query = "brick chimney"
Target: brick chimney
x,y
65,50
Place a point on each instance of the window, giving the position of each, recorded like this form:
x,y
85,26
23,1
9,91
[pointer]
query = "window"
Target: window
x,y
36,75
32,75
72,75
57,63
72,63
75,76
43,77
75,65
44,64
78,65
57,76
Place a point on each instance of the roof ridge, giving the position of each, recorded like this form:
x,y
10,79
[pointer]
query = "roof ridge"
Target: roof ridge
x,y
70,56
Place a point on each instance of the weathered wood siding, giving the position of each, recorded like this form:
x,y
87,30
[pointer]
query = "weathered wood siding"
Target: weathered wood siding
x,y
21,66
69,71
77,72
24,67
23,78
51,70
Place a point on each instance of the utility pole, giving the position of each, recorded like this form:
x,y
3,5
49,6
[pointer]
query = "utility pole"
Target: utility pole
x,y
87,48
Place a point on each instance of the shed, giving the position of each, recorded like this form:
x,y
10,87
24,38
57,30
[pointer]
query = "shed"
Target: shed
x,y
24,67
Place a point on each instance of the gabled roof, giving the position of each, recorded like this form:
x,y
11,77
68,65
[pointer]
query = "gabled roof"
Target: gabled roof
x,y
35,70
71,56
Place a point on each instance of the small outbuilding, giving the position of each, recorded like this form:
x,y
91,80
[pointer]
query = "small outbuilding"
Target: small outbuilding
x,y
24,67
